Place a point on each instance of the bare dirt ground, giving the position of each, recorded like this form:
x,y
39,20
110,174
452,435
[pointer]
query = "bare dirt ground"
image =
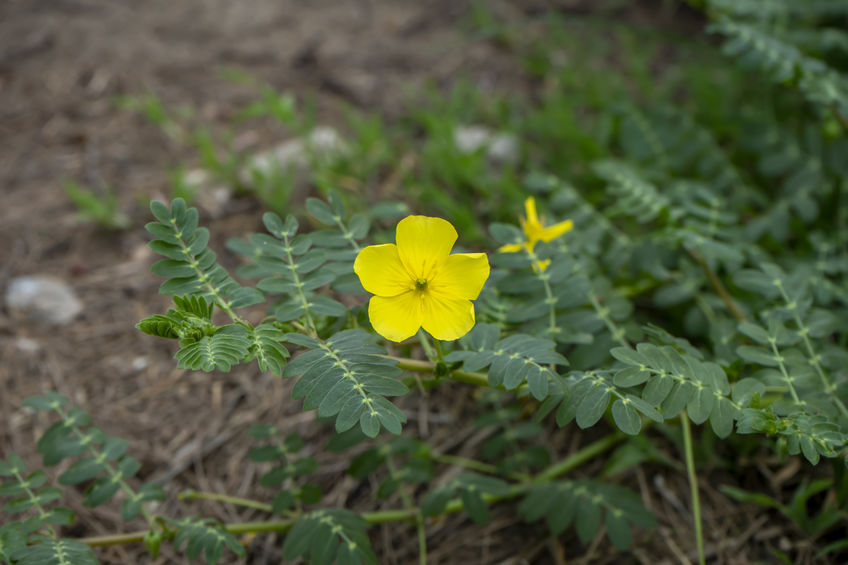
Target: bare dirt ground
x,y
62,63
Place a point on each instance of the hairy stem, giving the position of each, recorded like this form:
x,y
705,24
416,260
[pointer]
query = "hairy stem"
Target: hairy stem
x,y
693,485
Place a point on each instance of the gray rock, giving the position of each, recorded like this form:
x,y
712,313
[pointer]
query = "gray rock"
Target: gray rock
x,y
42,299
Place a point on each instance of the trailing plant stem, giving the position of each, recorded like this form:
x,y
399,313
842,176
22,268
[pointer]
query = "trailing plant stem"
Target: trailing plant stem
x,y
409,505
718,286
693,484
604,314
402,515
199,495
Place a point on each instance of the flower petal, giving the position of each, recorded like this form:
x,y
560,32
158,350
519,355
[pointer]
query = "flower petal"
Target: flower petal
x,y
511,248
556,230
530,210
381,271
461,276
398,317
423,244
446,317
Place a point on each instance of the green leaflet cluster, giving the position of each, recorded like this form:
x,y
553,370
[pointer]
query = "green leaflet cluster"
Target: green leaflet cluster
x,y
349,377
407,459
102,460
287,468
512,361
289,265
192,271
517,445
784,62
472,489
51,551
190,265
796,358
588,504
330,536
206,536
675,381
101,463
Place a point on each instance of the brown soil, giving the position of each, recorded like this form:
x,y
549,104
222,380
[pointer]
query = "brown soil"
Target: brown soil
x,y
62,63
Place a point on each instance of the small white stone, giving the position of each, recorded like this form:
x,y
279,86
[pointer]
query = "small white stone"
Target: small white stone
x,y
321,143
139,363
42,299
27,345
501,147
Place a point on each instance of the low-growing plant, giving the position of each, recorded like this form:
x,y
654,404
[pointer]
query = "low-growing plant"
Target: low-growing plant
x,y
690,269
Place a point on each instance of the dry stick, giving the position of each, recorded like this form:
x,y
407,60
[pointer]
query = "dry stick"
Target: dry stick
x,y
718,286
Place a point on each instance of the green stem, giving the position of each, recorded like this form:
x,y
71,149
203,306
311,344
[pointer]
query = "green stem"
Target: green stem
x,y
786,378
718,286
590,451
419,366
199,495
693,484
550,299
410,506
604,314
464,462
42,513
425,344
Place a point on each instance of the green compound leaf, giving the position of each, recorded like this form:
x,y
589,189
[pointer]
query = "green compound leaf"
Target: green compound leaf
x,y
267,349
514,360
587,504
470,487
51,551
204,535
348,377
328,536
229,346
189,265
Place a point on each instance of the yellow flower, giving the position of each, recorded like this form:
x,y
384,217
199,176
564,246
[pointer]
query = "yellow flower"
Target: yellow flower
x,y
418,283
535,231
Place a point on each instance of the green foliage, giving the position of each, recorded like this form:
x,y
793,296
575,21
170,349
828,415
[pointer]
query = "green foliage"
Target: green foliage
x,y
472,489
785,63
587,504
204,535
329,536
349,377
514,360
286,469
101,207
803,509
50,551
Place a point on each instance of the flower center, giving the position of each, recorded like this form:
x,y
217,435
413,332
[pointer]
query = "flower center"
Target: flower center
x,y
420,284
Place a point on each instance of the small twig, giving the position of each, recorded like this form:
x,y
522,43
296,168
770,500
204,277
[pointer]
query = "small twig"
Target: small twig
x,y
718,286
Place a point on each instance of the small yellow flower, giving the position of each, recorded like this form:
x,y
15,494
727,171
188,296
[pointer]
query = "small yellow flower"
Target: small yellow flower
x,y
418,283
535,231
